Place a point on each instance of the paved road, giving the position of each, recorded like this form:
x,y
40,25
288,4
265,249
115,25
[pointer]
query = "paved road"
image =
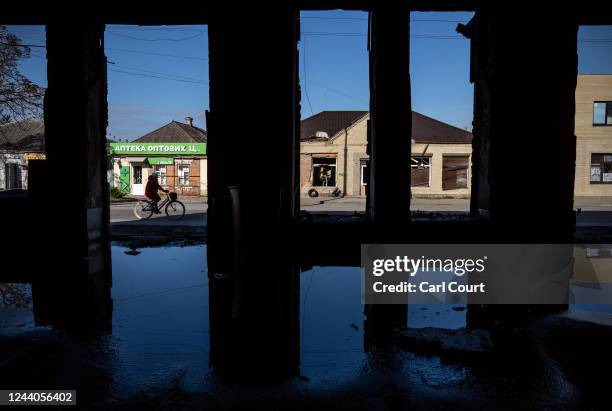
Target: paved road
x,y
329,204
195,214
599,214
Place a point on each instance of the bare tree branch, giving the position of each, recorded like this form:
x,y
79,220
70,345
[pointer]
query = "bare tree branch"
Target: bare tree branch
x,y
20,98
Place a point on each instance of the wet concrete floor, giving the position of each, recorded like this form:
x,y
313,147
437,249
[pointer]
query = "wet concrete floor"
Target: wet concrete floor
x,y
157,356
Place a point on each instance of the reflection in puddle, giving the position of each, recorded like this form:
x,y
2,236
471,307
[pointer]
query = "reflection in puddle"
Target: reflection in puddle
x,y
160,333
160,316
591,308
331,323
449,316
332,319
15,295
16,306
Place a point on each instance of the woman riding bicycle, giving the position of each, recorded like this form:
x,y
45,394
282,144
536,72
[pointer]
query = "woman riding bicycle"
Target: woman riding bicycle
x,y
151,191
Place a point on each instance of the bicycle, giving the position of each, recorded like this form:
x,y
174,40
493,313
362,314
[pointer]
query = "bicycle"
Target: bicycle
x,y
175,210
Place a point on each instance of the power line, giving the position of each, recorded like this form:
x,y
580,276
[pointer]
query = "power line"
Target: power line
x,y
310,33
157,54
158,73
159,39
141,29
158,77
338,92
365,18
357,34
305,80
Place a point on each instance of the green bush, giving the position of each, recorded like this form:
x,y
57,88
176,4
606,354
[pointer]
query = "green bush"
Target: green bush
x,y
116,193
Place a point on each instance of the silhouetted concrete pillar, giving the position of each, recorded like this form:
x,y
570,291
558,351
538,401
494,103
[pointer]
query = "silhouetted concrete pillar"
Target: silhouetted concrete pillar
x,y
390,125
72,285
254,288
524,159
524,123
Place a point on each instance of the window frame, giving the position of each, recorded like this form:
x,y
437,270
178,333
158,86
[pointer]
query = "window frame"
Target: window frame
x,y
135,174
334,167
607,108
163,177
467,171
181,179
364,163
418,158
601,168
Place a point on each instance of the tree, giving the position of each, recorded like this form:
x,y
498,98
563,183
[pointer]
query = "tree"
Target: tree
x,y
20,99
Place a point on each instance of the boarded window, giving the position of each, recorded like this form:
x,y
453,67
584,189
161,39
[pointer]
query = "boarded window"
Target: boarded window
x,y
455,172
420,168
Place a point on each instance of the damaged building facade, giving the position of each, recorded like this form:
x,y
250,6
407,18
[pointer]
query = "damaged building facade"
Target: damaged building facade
x,y
334,158
176,151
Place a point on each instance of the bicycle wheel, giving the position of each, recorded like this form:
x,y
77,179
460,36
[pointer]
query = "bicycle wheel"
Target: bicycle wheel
x,y
143,210
175,210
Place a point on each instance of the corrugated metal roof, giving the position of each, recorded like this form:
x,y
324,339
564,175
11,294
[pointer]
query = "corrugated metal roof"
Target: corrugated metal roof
x,y
175,132
26,136
424,129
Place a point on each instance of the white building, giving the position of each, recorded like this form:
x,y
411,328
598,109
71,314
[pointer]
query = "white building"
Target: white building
x,y
20,142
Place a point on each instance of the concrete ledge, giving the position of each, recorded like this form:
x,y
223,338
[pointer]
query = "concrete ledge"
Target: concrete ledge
x,y
156,232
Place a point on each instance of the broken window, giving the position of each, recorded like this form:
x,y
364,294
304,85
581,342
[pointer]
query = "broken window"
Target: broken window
x,y
601,168
420,171
602,113
455,172
324,172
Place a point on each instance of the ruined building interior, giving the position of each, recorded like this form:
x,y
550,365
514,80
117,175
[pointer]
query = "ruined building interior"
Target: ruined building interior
x,y
523,66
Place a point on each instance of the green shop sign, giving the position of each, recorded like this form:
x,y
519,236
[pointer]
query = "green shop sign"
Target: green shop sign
x,y
193,149
160,161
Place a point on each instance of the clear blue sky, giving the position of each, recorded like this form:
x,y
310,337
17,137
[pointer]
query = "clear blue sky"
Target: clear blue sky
x,y
148,90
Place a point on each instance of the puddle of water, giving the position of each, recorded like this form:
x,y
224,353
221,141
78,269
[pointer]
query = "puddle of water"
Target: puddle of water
x,y
591,308
160,316
16,308
449,316
331,319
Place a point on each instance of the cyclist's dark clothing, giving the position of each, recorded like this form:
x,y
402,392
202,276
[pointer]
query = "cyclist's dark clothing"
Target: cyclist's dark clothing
x,y
152,188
